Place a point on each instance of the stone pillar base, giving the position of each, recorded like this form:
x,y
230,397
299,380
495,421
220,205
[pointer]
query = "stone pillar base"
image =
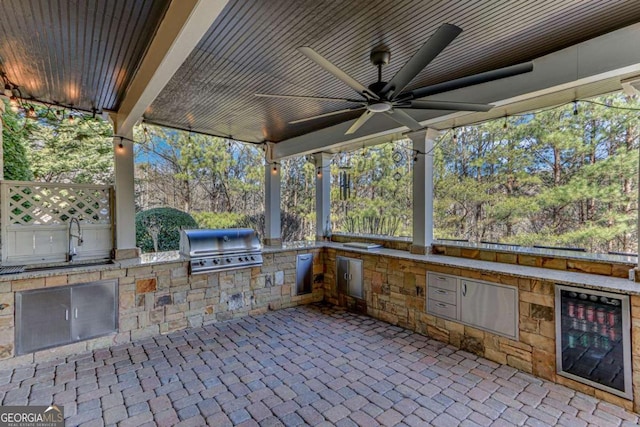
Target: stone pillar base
x,y
420,250
120,254
273,242
634,274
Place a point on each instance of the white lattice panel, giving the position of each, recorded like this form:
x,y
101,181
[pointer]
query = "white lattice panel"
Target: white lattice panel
x,y
33,203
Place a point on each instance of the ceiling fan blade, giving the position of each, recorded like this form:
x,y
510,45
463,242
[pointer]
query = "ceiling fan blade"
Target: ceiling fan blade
x,y
427,53
404,119
446,105
332,113
358,123
475,79
337,72
315,98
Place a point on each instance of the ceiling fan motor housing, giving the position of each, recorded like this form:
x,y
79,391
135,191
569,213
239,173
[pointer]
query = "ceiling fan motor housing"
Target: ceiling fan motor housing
x,y
380,56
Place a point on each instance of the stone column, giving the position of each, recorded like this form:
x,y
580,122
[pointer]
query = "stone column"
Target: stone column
x,y
323,196
2,107
125,208
634,273
272,225
423,190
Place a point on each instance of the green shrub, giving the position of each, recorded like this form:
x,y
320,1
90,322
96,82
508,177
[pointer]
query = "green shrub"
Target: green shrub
x,y
167,222
217,219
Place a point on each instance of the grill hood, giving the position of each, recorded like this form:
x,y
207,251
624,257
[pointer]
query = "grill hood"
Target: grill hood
x,y
220,249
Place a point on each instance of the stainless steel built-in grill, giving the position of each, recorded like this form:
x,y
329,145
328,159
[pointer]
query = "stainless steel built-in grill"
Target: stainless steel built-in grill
x,y
220,249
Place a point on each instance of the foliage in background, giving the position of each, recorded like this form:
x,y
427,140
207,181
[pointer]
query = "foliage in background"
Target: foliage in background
x,y
380,197
62,151
197,173
550,178
217,219
14,136
291,225
158,229
50,148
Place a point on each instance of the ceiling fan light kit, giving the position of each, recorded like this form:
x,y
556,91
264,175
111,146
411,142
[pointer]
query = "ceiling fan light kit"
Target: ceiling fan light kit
x,y
390,98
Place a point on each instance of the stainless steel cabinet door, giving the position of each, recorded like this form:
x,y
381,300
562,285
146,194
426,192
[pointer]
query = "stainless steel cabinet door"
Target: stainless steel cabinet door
x,y
342,279
43,319
304,273
490,307
93,309
355,278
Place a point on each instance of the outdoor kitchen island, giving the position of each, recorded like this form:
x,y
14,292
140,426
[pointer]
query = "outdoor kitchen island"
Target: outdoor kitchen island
x,y
156,294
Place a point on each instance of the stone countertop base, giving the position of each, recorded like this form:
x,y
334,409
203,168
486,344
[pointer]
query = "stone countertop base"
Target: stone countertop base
x,y
591,281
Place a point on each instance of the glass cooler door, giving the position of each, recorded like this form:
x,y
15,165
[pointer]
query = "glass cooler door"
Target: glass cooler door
x,y
592,345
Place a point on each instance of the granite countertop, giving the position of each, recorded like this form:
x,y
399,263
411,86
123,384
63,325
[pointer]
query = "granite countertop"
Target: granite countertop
x,y
550,252
591,281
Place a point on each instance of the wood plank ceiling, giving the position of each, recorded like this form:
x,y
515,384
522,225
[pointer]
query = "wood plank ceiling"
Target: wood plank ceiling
x,y
252,48
85,52
80,53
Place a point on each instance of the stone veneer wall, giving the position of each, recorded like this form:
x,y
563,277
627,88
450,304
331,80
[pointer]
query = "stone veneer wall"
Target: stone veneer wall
x,y
395,291
601,267
162,298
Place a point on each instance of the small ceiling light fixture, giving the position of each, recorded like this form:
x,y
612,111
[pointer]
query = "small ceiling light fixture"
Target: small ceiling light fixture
x,y
120,144
505,125
31,112
15,104
575,108
319,172
71,118
455,135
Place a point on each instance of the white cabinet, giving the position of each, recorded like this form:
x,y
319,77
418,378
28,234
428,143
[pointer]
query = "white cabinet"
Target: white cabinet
x,y
483,305
490,307
349,271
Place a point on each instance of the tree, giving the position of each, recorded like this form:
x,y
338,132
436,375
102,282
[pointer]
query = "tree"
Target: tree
x,y
14,133
552,178
78,152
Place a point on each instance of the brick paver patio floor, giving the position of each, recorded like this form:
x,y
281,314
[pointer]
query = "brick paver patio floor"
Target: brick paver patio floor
x,y
313,365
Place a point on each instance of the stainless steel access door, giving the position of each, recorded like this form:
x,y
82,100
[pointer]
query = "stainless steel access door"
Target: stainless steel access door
x,y
93,309
43,319
355,278
349,280
304,274
342,273
489,306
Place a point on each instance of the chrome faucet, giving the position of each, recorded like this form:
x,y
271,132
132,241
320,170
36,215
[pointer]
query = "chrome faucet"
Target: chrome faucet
x,y
72,249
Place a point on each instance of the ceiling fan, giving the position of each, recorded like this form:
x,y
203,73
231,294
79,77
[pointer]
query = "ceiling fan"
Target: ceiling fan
x,y
390,98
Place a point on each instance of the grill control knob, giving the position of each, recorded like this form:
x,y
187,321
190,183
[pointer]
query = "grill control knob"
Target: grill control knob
x,y
253,259
215,261
201,262
228,259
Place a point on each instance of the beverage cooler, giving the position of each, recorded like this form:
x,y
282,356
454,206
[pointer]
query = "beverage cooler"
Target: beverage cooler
x,y
593,343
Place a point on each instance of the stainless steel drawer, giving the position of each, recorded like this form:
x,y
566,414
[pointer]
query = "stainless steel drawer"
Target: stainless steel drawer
x,y
442,281
442,309
443,295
